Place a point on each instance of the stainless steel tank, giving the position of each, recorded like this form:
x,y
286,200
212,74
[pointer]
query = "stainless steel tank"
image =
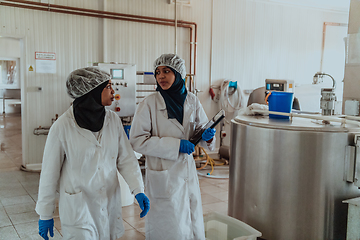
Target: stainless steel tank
x,y
287,178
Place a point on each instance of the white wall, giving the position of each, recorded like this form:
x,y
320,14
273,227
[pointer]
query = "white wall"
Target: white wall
x,y
243,40
9,47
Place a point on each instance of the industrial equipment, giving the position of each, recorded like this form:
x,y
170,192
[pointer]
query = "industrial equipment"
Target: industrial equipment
x,y
288,179
123,80
327,101
279,85
328,97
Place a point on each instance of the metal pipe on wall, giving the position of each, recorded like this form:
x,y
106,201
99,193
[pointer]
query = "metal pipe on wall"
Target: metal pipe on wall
x,y
323,39
176,28
109,15
105,33
211,44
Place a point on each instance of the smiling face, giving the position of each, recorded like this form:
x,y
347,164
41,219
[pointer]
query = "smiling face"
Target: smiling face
x,y
165,77
107,95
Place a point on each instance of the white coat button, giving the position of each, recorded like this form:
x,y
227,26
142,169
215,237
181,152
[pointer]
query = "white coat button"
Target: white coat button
x,y
185,179
98,168
102,188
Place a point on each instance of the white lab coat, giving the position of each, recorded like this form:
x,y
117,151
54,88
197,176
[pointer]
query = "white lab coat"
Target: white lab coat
x,y
86,169
172,184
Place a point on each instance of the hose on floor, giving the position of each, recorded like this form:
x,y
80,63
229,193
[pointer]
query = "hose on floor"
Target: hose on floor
x,y
209,161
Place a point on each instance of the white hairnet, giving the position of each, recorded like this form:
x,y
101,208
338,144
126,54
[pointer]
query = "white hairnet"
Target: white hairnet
x,y
173,61
83,80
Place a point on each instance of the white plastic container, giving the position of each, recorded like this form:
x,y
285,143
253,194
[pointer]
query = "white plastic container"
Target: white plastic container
x,y
221,227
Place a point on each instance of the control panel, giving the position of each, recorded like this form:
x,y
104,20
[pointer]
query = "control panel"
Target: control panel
x,y
123,80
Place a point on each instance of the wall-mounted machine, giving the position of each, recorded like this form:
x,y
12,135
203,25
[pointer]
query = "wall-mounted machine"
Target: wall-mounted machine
x,y
123,79
279,85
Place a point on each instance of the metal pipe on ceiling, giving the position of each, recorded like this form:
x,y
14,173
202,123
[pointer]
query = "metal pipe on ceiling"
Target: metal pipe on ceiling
x,y
109,15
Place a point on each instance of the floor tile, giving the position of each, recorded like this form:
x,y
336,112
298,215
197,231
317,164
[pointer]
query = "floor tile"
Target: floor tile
x,y
6,163
20,208
222,195
24,217
57,223
9,169
211,189
34,196
28,177
204,183
207,198
136,222
9,184
7,201
36,236
8,233
30,230
220,207
131,210
12,192
31,187
133,235
224,186
4,218
127,226
27,229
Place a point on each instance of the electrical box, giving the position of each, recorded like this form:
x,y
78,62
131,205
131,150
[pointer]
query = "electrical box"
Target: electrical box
x,y
279,85
123,80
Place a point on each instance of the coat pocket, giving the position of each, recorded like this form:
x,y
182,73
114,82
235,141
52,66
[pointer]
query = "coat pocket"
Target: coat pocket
x,y
159,184
73,209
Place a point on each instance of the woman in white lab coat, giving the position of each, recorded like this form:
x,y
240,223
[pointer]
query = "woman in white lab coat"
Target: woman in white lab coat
x,y
162,124
84,150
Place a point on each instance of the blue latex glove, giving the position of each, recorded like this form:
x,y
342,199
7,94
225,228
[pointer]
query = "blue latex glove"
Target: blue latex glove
x,y
208,134
144,203
46,226
186,147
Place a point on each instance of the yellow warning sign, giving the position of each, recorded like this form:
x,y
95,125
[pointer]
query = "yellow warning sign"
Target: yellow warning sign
x,y
31,68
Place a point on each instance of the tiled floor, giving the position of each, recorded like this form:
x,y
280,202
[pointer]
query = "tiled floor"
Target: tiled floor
x,y
18,192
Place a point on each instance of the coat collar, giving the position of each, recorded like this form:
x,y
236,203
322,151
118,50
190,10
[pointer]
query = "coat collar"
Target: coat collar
x,y
188,109
87,134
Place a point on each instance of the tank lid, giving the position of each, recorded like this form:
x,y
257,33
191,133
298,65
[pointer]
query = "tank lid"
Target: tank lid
x,y
299,124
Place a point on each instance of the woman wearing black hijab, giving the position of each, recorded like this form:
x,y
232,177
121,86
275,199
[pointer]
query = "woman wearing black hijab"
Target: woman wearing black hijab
x,y
84,150
162,124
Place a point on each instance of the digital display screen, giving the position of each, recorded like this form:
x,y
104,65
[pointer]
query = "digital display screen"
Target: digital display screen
x,y
117,73
275,86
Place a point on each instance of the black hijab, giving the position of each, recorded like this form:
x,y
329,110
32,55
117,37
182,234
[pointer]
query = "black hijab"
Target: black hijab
x,y
89,113
174,97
